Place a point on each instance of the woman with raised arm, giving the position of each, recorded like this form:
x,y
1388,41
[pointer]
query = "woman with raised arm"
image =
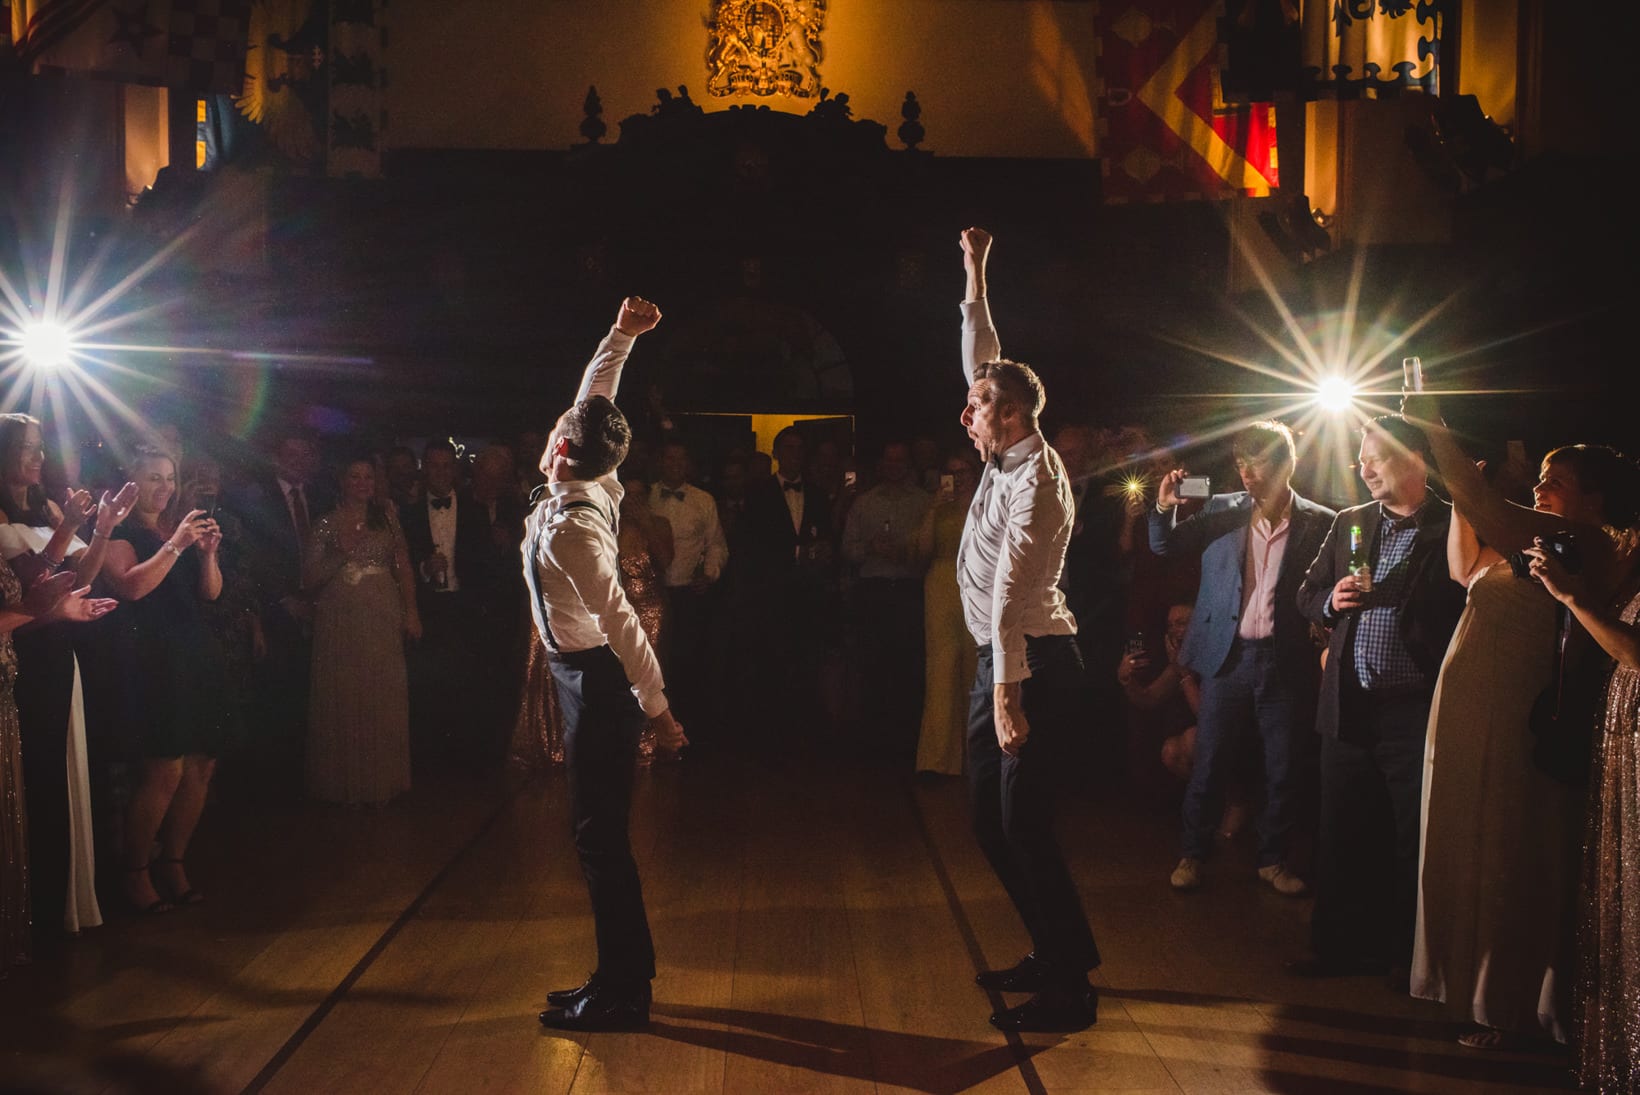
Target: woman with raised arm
x,y
166,568
357,567
1499,844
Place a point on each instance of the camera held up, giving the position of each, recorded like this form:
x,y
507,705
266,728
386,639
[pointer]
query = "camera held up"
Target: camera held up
x,y
1561,545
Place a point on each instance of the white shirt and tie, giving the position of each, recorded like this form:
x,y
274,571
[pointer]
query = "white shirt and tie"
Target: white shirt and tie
x,y
697,537
441,522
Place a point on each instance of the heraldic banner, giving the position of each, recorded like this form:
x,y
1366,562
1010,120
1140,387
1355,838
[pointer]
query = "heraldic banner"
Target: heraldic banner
x,y
1165,131
197,45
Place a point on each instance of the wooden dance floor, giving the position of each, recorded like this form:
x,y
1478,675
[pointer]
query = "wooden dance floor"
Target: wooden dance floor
x,y
818,930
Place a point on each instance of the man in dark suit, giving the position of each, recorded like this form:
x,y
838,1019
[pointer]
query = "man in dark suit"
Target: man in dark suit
x,y
1389,630
278,512
1247,642
779,562
449,543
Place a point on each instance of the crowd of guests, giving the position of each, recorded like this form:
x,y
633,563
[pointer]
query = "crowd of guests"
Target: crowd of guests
x,y
1424,705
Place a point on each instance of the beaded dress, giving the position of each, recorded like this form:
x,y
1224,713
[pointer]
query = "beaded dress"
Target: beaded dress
x,y
14,903
1607,1006
359,707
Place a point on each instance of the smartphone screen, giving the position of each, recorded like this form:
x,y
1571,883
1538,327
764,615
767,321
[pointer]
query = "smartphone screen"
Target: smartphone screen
x,y
1195,486
948,487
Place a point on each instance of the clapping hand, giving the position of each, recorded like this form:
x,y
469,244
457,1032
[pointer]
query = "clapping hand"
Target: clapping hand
x,y
78,608
112,510
637,315
77,506
45,594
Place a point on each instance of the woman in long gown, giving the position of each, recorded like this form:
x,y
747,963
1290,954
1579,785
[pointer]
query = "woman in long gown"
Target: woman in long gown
x,y
645,551
50,701
1499,844
357,565
1606,998
949,655
163,571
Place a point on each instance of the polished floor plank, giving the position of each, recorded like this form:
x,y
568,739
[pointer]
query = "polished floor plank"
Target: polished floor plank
x,y
817,925
925,1019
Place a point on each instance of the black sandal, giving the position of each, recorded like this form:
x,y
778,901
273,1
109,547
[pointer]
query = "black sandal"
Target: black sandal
x,y
190,896
153,908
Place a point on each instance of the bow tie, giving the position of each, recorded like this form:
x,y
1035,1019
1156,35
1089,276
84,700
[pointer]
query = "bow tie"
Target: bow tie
x,y
667,492
792,484
439,503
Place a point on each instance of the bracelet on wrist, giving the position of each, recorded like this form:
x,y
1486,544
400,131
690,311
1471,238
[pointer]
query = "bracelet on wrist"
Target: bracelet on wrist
x,y
172,548
98,534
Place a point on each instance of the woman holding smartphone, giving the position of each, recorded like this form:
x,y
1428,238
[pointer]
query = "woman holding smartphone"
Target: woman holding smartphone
x,y
167,568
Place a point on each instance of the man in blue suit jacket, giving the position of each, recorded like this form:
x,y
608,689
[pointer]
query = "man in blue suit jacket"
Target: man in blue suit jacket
x,y
1247,641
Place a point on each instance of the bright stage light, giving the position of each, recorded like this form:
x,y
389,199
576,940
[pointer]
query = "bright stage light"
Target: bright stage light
x,y
47,346
1335,394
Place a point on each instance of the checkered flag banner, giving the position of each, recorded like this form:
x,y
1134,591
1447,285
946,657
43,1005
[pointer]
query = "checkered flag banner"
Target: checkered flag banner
x,y
194,45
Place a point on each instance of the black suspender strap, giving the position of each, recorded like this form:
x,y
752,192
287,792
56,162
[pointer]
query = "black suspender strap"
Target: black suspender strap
x,y
532,576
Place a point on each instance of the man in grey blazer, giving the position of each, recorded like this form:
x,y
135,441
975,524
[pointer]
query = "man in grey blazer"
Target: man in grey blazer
x,y
1248,642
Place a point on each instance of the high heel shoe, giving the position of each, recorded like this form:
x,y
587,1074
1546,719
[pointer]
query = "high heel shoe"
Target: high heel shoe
x,y
189,896
154,907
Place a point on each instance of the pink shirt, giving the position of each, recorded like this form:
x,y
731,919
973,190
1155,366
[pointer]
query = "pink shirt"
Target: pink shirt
x,y
1266,544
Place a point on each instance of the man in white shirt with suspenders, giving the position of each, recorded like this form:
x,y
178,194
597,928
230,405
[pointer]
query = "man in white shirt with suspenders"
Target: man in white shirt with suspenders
x,y
607,678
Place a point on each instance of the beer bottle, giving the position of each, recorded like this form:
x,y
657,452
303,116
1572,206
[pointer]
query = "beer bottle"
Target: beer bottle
x,y
1360,565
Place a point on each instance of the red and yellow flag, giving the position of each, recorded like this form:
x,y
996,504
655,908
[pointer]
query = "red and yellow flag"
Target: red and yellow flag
x,y
1165,131
197,45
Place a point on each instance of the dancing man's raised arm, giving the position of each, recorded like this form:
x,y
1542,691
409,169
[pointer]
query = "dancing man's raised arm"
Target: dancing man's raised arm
x,y
979,336
603,372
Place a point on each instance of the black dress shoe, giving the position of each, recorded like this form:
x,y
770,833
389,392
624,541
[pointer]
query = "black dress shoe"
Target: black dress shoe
x,y
604,1007
1029,974
563,998
1057,1010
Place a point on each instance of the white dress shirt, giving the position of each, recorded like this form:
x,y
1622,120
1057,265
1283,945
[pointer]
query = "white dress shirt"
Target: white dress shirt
x,y
1013,543
577,565
794,494
1266,545
441,522
697,537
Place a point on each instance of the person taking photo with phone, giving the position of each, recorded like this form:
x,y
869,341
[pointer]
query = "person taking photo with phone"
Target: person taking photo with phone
x,y
1248,643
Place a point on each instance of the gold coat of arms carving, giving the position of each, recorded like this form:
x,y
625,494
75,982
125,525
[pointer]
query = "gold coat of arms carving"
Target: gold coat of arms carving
x,y
765,47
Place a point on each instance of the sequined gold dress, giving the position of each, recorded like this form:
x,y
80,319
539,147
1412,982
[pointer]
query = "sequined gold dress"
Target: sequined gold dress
x,y
1607,1008
14,903
538,733
359,708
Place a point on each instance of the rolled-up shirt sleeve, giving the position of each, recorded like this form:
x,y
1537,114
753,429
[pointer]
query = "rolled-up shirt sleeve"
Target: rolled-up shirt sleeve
x,y
574,548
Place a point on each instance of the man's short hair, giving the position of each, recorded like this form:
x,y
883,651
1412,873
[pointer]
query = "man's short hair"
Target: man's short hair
x,y
598,437
439,445
1268,440
1017,383
1404,434
788,431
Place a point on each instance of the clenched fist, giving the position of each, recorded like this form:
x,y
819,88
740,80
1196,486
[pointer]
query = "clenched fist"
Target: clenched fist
x,y
637,316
